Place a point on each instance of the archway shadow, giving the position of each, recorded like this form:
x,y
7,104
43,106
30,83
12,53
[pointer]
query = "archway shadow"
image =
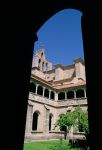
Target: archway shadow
x,y
22,35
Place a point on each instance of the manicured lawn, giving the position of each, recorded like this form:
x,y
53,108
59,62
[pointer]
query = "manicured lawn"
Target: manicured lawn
x,y
44,145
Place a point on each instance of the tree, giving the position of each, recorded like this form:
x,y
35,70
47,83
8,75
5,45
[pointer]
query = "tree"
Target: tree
x,y
77,117
82,120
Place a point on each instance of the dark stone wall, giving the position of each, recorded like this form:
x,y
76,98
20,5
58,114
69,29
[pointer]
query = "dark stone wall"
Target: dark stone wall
x,y
21,23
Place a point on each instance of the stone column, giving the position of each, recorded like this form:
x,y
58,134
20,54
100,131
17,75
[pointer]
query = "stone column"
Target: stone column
x,y
49,94
65,95
74,94
29,118
56,96
85,93
46,121
36,88
43,91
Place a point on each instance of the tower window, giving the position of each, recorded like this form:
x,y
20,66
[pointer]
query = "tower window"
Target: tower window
x,y
41,54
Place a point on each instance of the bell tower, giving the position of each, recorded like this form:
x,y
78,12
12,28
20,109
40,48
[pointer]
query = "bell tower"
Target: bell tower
x,y
40,62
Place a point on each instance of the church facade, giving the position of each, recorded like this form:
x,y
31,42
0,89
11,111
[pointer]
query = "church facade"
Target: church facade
x,y
52,92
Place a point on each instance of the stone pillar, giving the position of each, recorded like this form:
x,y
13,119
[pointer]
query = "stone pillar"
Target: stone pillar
x,y
39,127
43,91
85,93
56,96
49,94
29,118
46,121
65,95
36,88
74,94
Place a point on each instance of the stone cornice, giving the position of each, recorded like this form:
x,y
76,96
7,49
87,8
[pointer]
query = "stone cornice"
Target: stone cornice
x,y
59,87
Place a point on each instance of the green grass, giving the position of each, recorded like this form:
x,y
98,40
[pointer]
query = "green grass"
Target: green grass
x,y
45,145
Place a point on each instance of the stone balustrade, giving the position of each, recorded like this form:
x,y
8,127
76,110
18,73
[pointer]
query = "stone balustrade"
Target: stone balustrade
x,y
68,102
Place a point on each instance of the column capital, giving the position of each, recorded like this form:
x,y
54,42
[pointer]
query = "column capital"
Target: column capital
x,y
37,84
50,90
44,87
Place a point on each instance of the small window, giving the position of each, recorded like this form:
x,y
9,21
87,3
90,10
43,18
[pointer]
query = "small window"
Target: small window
x,y
41,54
39,60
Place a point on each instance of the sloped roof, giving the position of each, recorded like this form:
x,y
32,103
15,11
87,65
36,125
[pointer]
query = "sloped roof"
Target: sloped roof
x,y
58,87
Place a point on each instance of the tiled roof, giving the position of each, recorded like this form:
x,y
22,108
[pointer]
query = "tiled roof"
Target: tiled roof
x,y
58,86
70,85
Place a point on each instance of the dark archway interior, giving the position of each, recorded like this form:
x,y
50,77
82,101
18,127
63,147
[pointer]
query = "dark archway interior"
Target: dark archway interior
x,y
35,121
80,93
70,94
46,93
52,95
21,30
61,96
40,90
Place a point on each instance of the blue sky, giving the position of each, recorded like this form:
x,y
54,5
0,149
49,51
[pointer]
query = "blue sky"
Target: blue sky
x,y
61,37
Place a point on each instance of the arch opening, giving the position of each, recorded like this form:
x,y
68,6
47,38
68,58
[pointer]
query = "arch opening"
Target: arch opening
x,y
40,90
52,95
50,121
70,94
61,96
46,93
32,87
80,93
35,121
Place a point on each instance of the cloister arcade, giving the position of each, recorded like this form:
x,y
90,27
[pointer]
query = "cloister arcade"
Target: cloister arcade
x,y
75,93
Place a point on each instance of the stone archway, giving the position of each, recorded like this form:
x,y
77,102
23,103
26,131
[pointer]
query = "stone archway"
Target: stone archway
x,y
22,47
35,120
